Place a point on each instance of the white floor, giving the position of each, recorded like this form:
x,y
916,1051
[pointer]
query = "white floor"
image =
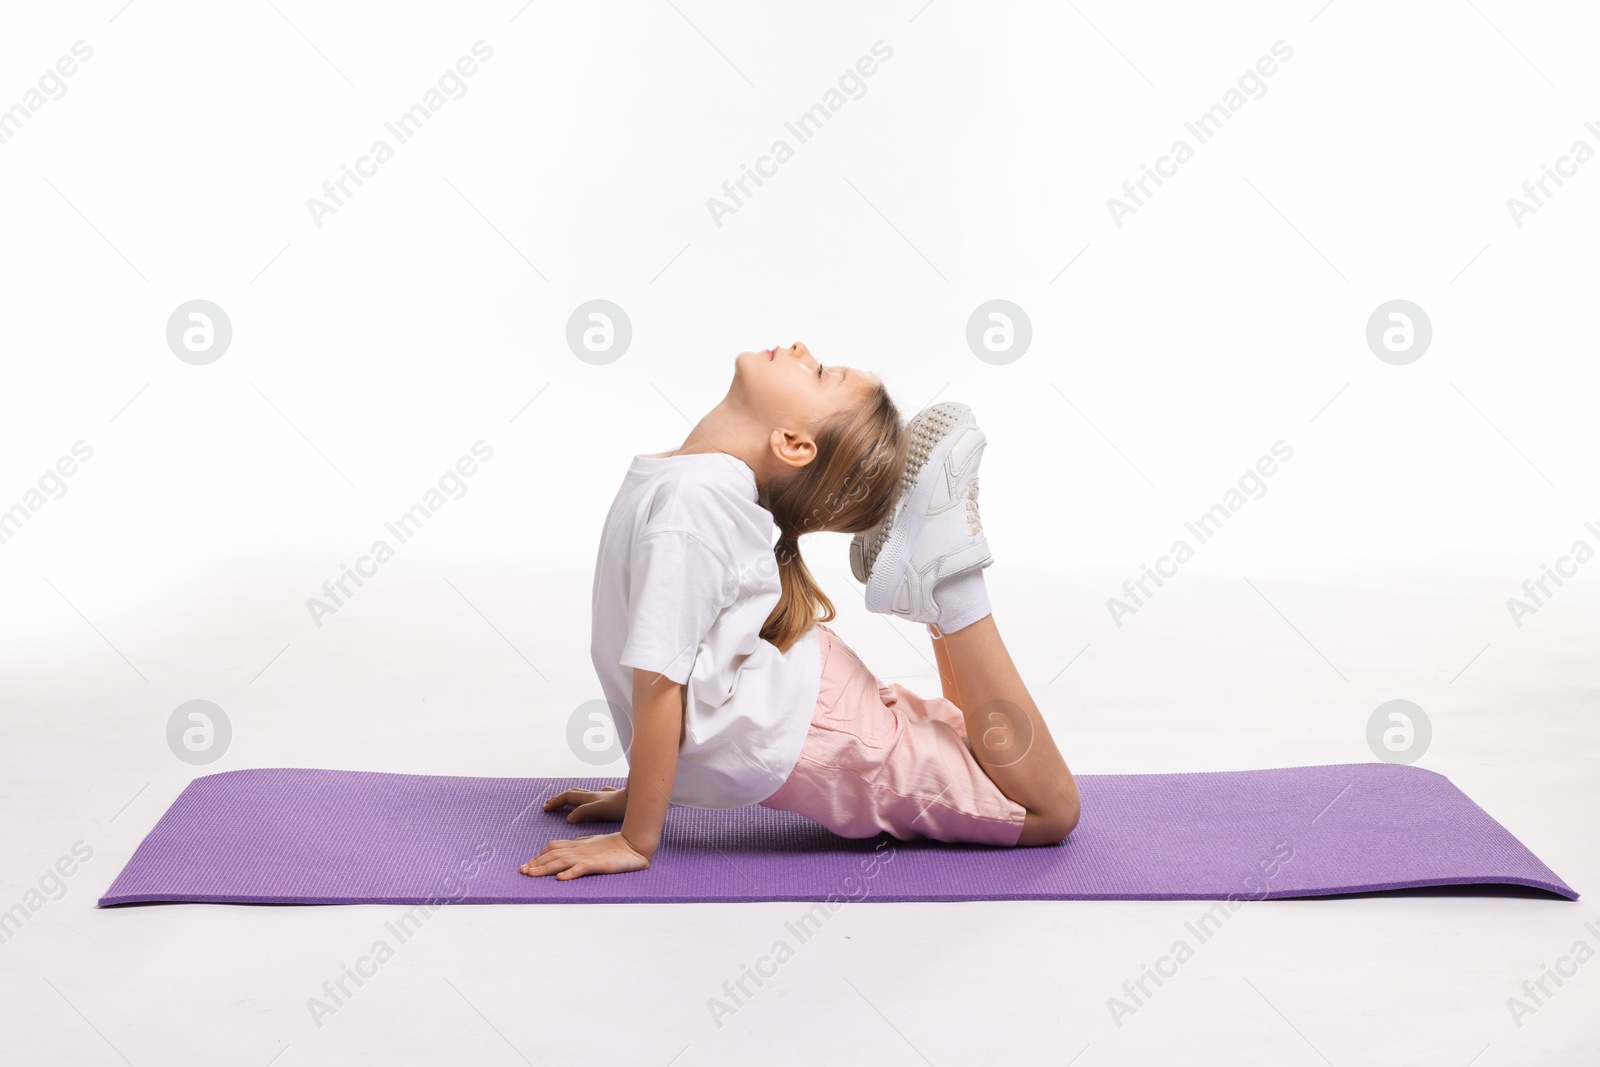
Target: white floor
x,y
438,668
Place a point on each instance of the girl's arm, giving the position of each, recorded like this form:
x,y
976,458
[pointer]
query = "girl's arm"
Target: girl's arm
x,y
658,720
652,758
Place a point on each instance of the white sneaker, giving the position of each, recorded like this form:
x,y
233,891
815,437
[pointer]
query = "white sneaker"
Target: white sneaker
x,y
934,530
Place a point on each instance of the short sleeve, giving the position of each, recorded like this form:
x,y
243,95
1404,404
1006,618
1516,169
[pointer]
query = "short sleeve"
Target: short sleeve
x,y
678,586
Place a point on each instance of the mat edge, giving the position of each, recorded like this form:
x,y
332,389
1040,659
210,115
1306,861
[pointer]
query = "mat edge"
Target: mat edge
x,y
1562,890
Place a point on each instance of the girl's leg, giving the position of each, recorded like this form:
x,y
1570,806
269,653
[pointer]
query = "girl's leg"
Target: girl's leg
x,y
1007,733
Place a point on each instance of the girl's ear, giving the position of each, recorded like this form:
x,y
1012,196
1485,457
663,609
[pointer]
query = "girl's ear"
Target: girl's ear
x,y
793,447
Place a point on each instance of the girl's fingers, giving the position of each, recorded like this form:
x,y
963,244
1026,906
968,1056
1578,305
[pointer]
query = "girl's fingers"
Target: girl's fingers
x,y
561,846
577,796
553,852
565,858
546,862
569,796
604,808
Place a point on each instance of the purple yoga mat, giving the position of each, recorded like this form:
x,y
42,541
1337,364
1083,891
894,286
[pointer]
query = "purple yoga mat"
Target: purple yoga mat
x,y
303,836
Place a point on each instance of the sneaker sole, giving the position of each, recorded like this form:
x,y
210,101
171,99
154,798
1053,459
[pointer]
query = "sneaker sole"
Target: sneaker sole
x,y
858,544
883,583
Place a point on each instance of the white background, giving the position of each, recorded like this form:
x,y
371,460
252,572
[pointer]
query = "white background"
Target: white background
x,y
1167,355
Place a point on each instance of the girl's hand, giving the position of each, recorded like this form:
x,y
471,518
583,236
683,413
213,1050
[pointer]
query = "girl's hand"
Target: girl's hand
x,y
609,804
575,857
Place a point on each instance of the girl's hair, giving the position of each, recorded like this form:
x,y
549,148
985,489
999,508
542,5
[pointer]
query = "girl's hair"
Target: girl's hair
x,y
847,488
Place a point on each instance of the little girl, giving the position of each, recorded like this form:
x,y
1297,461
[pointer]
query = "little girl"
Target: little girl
x,y
710,643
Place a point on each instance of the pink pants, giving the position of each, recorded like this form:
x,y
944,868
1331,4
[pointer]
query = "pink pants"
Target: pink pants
x,y
878,757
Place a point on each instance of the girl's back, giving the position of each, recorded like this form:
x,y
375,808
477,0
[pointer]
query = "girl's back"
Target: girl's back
x,y
684,580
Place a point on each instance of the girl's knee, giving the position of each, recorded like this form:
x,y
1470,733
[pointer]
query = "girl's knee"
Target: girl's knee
x,y
1052,823
1040,829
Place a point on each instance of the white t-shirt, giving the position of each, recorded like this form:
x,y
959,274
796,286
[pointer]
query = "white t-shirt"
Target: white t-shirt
x,y
684,580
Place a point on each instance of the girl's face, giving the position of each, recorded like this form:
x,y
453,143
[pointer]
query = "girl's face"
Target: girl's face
x,y
788,388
